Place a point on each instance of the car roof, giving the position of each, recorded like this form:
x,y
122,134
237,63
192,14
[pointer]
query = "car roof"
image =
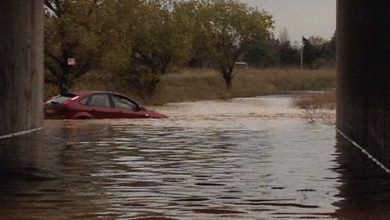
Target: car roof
x,y
90,92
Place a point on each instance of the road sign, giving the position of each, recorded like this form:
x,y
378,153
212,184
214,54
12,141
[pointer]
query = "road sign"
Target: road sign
x,y
71,61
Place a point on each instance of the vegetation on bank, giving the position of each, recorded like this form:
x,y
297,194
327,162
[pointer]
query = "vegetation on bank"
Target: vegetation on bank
x,y
312,101
205,84
137,41
318,105
158,49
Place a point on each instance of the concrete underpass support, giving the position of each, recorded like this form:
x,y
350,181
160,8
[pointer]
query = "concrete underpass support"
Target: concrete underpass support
x,y
21,65
363,105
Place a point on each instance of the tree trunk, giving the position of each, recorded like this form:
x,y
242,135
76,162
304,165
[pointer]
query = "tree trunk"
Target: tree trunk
x,y
227,74
228,81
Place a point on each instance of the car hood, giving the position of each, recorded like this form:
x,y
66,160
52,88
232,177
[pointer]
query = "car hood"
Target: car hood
x,y
154,114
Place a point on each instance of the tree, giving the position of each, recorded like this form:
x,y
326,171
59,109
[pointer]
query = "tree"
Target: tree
x,y
329,50
227,29
70,35
319,52
311,50
263,53
289,56
283,36
156,34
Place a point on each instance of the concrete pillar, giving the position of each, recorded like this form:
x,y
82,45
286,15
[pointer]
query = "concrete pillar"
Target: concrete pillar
x,y
363,105
21,65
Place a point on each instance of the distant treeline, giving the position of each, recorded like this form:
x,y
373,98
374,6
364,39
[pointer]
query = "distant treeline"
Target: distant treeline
x,y
134,42
312,53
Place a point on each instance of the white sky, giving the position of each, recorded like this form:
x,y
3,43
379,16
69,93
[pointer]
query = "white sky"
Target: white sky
x,y
300,17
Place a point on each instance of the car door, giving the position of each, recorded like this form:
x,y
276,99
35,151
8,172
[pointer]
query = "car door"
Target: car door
x,y
99,106
127,108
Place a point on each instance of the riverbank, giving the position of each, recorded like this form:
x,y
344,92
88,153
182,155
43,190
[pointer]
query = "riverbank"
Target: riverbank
x,y
192,85
207,84
317,105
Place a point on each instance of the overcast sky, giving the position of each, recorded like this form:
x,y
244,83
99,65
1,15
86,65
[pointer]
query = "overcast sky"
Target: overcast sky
x,y
301,17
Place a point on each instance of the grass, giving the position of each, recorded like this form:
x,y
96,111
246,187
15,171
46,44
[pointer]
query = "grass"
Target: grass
x,y
200,84
318,105
207,84
323,100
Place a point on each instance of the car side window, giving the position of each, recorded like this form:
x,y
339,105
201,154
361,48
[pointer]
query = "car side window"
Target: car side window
x,y
122,102
99,100
84,101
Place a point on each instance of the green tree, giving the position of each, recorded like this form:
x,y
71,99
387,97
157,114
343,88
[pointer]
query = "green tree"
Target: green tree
x,y
329,50
319,52
263,54
227,29
70,33
156,34
289,56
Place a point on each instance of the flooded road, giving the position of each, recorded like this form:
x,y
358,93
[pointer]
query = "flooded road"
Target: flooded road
x,y
252,158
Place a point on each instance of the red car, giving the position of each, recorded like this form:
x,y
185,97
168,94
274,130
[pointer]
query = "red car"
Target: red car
x,y
95,105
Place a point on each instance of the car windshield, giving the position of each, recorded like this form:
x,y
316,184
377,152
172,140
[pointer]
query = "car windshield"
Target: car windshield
x,y
61,98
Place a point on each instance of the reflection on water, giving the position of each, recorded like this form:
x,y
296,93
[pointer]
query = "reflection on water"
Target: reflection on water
x,y
255,158
365,188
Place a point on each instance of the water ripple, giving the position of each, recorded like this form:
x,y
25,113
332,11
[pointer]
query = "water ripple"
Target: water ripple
x,y
240,159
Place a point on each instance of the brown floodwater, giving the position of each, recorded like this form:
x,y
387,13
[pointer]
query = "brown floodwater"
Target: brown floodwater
x,y
251,158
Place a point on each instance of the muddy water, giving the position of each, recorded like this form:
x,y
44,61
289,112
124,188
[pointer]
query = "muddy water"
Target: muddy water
x,y
255,158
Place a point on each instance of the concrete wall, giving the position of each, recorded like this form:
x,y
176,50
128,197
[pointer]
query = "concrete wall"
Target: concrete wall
x,y
363,36
21,65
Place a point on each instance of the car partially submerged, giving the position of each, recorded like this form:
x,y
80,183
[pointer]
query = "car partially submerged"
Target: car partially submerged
x,y
96,105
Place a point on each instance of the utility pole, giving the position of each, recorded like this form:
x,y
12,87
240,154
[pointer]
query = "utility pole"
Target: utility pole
x,y
302,58
298,46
